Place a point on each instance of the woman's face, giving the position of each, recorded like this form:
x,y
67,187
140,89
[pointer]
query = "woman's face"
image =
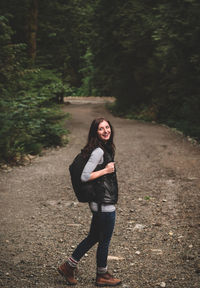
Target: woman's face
x,y
104,131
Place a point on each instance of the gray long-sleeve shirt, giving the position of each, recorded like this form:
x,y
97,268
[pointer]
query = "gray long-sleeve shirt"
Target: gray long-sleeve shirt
x,y
95,158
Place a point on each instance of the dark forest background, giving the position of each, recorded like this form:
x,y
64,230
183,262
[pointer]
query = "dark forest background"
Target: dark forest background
x,y
144,53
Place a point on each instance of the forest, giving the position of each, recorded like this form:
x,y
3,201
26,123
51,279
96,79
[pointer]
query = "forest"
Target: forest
x,y
146,54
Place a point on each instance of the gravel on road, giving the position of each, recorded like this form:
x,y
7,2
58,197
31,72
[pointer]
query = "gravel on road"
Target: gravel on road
x,y
156,242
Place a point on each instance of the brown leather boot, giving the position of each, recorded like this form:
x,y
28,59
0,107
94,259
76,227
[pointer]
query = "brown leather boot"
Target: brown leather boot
x,y
68,272
106,279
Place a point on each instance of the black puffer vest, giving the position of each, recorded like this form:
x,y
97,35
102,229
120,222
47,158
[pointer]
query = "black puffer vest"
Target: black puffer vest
x,y
106,185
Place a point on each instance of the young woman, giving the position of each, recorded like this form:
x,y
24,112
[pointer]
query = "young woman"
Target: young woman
x,y
100,169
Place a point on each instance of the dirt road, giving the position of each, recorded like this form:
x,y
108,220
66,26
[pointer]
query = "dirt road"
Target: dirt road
x,y
157,236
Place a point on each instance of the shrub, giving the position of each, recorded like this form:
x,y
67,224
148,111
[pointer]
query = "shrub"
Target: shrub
x,y
29,117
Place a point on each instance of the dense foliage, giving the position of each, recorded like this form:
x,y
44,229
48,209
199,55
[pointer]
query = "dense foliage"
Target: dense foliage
x,y
29,118
145,53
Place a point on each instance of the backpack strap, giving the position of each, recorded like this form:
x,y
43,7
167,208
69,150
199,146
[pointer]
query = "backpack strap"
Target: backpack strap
x,y
101,233
99,208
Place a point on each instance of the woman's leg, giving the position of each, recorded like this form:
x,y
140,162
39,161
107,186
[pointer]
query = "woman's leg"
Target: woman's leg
x,y
104,278
89,241
106,226
68,268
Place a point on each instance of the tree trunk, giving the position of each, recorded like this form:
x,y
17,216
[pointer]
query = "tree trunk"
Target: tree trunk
x,y
32,30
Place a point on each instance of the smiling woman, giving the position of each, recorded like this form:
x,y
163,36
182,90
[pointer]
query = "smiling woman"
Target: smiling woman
x,y
100,167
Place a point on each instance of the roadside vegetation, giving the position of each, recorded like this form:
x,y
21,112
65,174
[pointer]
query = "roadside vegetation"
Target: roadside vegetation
x,y
144,53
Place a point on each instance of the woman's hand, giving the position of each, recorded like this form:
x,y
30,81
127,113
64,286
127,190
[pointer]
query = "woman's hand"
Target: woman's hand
x,y
110,167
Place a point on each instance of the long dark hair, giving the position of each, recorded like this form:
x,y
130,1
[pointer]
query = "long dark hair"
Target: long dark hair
x,y
93,140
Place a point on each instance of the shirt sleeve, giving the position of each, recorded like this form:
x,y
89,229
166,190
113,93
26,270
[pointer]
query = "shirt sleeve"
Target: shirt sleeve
x,y
95,158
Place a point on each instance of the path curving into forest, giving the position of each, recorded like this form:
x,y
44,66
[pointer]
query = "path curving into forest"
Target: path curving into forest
x,y
156,240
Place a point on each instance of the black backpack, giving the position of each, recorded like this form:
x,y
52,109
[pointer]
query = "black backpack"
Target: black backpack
x,y
84,191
